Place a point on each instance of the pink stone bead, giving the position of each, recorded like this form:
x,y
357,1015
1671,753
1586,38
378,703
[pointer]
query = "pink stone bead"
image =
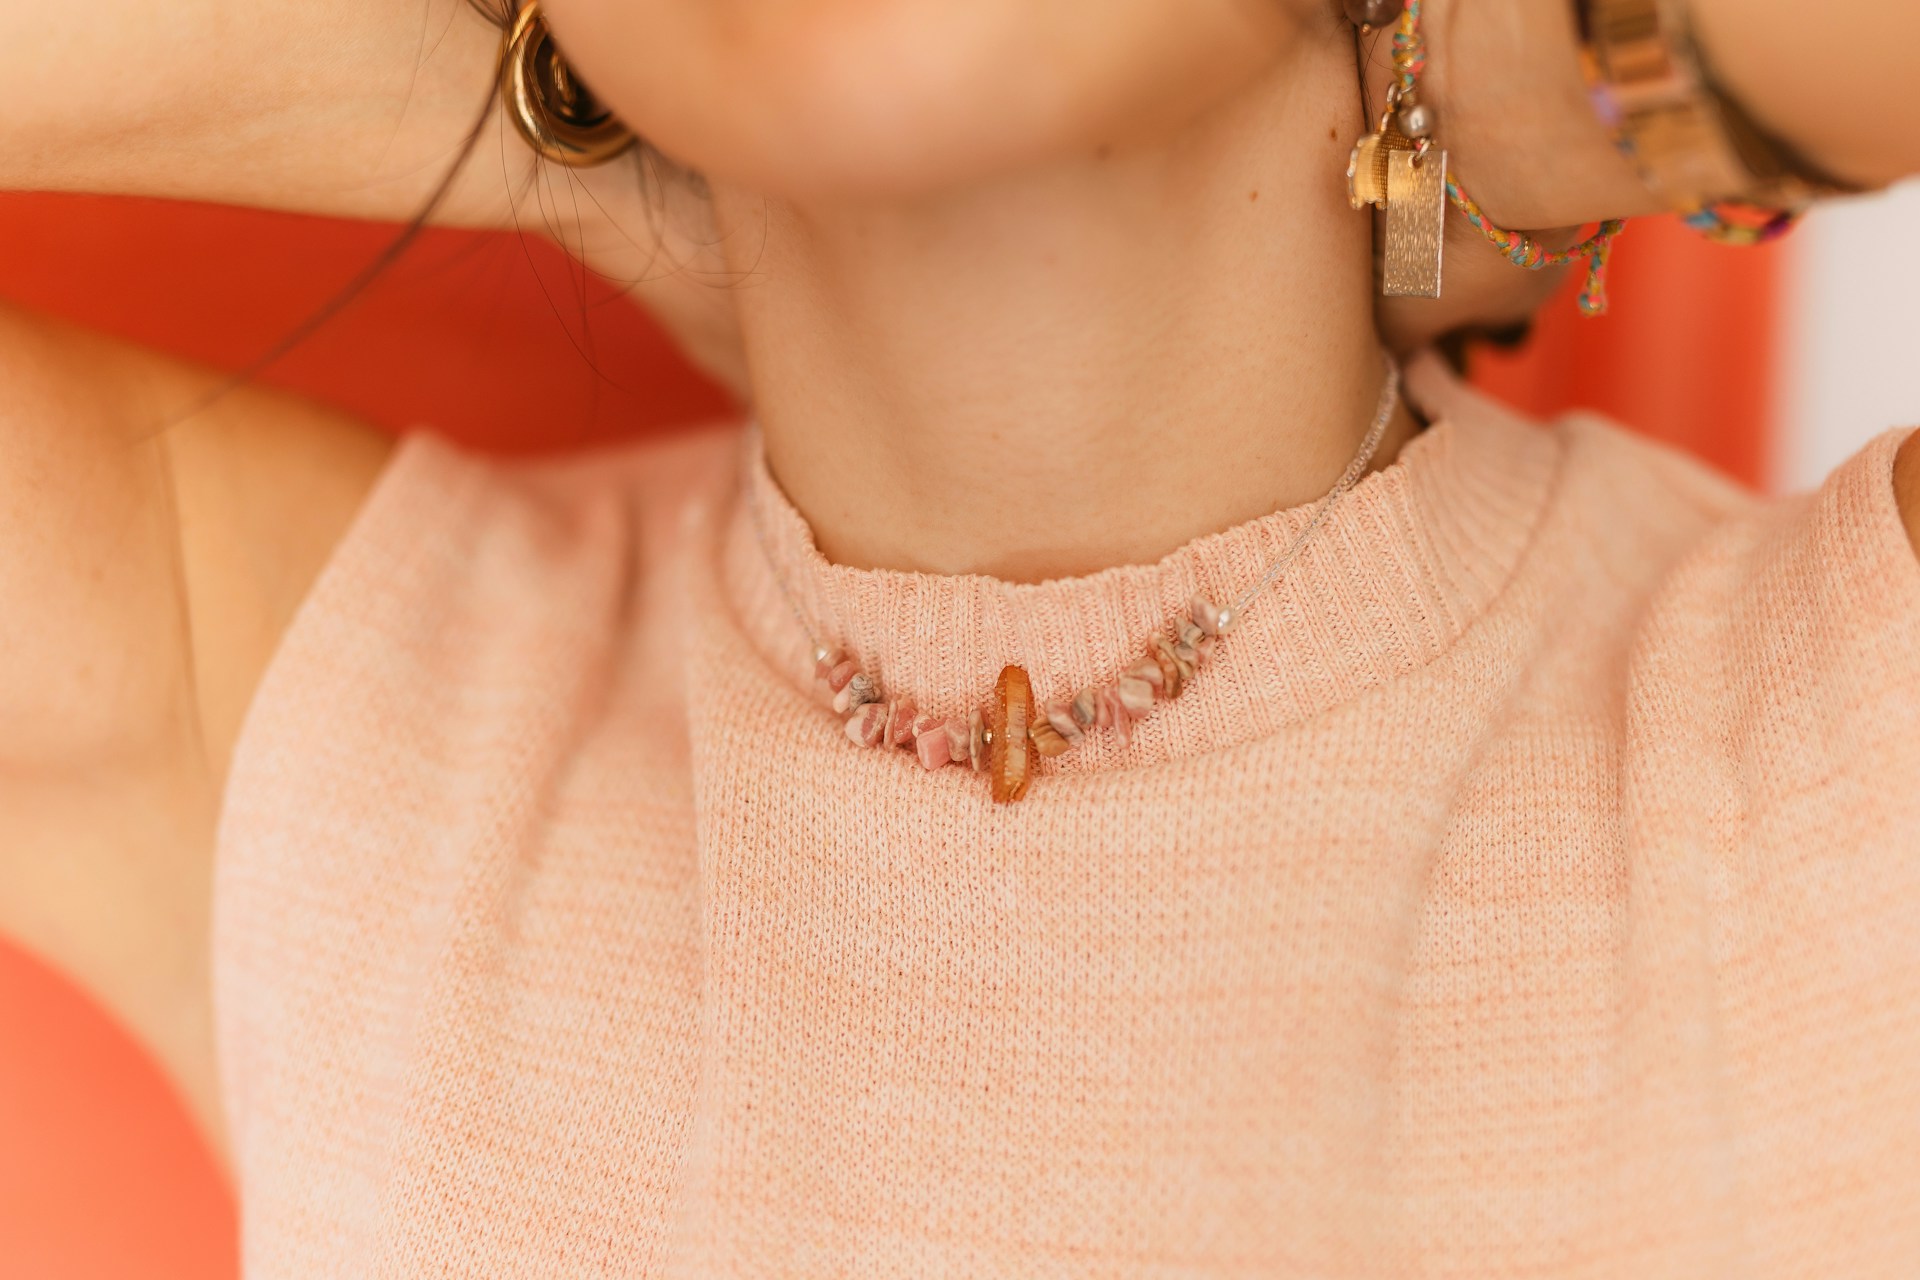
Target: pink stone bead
x,y
1060,716
900,723
1173,673
1103,704
859,692
933,748
1117,716
1047,739
868,725
1183,656
1194,644
1199,641
924,723
841,673
957,734
824,667
1135,695
977,741
1210,617
1149,670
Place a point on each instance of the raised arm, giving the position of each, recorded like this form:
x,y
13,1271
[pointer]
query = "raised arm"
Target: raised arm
x,y
150,556
1830,81
149,559
350,108
1833,80
1815,75
353,108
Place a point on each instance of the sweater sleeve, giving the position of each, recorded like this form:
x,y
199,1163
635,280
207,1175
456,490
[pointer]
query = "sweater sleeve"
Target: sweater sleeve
x,y
1822,655
1783,656
1771,798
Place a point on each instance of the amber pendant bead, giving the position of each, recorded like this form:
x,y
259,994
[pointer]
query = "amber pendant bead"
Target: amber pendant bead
x,y
1010,758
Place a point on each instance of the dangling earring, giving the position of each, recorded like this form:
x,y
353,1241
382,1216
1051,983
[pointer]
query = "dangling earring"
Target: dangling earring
x,y
551,106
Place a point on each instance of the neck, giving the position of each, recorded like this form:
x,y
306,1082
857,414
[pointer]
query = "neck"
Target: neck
x,y
1077,367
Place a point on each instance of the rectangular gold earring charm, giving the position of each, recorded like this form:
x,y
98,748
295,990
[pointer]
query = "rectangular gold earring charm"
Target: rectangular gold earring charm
x,y
1416,224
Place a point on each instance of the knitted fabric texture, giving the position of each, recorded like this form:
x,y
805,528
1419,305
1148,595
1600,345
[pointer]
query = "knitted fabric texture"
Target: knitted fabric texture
x,y
1531,887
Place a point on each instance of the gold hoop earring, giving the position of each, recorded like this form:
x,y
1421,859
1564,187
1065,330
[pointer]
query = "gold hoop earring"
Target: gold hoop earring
x,y
550,105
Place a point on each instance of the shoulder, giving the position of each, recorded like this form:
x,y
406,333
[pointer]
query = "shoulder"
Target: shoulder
x,y
490,635
1608,518
1753,719
451,528
1779,636
1772,645
657,481
1693,557
467,582
1832,572
1661,539
1611,512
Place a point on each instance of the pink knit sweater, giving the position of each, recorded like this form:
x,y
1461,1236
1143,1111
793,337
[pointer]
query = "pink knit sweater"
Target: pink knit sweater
x,y
1530,888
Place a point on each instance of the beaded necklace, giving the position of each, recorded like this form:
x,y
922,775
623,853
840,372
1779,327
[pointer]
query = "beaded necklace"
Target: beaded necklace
x,y
1005,739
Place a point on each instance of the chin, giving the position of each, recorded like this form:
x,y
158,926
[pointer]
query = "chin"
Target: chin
x,y
810,99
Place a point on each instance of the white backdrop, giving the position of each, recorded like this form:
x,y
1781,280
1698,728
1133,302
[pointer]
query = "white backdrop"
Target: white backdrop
x,y
1851,365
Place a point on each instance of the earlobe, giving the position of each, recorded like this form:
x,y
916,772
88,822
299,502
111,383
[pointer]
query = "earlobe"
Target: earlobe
x,y
1906,486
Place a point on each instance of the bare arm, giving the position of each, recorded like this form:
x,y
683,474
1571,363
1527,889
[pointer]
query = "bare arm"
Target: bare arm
x,y
149,560
1814,76
148,563
1832,80
1514,105
1828,82
349,108
354,109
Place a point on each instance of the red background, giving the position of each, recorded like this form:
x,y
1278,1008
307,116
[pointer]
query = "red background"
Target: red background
x,y
492,339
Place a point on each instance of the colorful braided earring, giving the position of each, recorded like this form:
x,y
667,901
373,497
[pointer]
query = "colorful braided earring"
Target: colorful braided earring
x,y
549,103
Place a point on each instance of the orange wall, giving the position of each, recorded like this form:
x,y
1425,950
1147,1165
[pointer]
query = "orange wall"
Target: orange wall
x,y
490,339
101,1172
496,340
1685,355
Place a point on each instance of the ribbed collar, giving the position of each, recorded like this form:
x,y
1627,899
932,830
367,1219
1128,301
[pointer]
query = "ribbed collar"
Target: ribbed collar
x,y
1405,564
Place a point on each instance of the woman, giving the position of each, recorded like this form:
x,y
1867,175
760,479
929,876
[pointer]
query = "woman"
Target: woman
x,y
1524,885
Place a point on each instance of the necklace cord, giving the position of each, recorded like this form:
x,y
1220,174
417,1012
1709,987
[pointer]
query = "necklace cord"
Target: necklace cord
x,y
1362,460
1369,446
